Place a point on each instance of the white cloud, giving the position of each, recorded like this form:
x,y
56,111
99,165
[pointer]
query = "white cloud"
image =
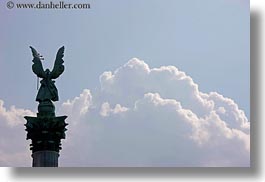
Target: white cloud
x,y
158,117
135,78
75,109
13,144
149,117
106,110
13,116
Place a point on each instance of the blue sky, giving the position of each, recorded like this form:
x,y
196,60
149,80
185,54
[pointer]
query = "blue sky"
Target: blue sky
x,y
206,39
209,40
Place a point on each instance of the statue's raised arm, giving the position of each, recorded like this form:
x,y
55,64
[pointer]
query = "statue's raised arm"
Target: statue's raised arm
x,y
37,65
58,67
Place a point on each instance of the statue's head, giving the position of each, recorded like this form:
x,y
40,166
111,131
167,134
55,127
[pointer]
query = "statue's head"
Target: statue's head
x,y
47,71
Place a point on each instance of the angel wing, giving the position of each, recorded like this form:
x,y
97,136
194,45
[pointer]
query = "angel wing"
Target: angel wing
x,y
58,67
37,65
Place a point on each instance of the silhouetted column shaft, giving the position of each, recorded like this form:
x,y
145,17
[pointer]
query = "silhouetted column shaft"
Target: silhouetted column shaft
x,y
45,158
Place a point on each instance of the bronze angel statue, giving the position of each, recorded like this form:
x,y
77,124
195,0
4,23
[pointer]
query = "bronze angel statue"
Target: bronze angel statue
x,y
47,90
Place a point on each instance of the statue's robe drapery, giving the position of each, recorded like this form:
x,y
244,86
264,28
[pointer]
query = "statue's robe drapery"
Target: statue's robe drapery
x,y
47,91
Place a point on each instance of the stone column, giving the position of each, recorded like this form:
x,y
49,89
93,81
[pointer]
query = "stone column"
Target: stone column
x,y
45,158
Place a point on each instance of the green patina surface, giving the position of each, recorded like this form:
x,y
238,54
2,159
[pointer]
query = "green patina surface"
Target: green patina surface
x,y
46,130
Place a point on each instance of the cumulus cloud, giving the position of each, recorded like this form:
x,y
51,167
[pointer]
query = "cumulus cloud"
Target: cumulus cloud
x,y
145,116
77,107
158,117
106,110
13,146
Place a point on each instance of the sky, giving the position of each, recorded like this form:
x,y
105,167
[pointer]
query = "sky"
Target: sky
x,y
125,62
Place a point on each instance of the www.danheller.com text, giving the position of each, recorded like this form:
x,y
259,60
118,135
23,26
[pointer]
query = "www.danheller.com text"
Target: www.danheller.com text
x,y
48,5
